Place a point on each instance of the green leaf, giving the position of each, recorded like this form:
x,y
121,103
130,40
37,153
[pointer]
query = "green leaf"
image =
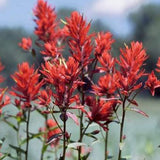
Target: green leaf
x,y
1,141
109,157
75,145
7,155
91,136
137,110
85,157
121,145
53,138
127,157
11,125
44,148
64,22
32,136
17,149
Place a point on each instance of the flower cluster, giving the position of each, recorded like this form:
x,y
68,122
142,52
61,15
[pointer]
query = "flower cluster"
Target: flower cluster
x,y
27,84
90,81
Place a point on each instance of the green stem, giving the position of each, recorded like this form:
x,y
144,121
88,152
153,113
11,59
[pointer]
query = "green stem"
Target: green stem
x,y
121,127
56,122
27,134
64,137
18,141
106,146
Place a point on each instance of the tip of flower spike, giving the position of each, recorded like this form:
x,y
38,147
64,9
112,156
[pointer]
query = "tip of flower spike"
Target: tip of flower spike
x,y
64,22
125,45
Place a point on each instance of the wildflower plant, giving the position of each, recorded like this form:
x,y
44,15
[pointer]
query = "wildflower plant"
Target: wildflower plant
x,y
64,88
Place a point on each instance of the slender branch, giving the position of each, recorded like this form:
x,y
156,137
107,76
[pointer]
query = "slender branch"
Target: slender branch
x,y
27,134
18,140
106,146
56,121
64,136
83,133
121,127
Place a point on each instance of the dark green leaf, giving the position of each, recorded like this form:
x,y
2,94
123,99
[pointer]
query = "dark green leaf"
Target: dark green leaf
x,y
11,125
17,149
85,156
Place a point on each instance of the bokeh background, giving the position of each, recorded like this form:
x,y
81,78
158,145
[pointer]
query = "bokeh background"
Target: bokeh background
x,y
127,20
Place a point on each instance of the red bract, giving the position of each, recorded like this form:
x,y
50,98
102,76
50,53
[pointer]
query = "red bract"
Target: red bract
x,y
152,83
51,50
70,71
45,97
107,62
100,110
107,85
79,40
52,132
64,77
103,43
4,100
26,44
27,83
131,62
46,22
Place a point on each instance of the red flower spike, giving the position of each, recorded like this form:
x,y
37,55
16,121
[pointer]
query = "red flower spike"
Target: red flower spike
x,y
131,62
107,85
152,83
26,44
46,28
79,40
100,110
70,71
51,50
4,100
107,62
103,43
45,97
64,78
27,83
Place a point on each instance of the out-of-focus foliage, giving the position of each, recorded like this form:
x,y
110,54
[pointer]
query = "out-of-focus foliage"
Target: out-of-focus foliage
x,y
146,28
10,53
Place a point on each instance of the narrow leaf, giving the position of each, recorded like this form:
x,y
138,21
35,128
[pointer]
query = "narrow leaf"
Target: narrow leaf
x,y
11,125
138,111
53,138
73,117
121,145
17,149
132,102
75,145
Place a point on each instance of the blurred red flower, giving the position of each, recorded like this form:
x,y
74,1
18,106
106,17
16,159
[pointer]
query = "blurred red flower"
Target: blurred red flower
x,y
26,44
152,83
52,133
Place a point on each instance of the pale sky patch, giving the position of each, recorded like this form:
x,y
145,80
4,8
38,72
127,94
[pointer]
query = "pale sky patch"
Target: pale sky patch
x,y
115,7
2,3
